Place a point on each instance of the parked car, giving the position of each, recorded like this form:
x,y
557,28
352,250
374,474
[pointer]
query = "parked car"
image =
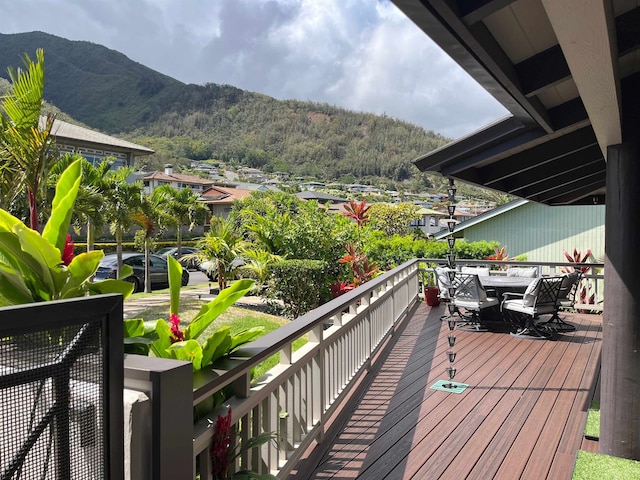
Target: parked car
x,y
187,256
208,268
158,270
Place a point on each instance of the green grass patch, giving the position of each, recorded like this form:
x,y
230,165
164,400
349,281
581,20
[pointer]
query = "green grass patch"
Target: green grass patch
x,y
592,429
590,466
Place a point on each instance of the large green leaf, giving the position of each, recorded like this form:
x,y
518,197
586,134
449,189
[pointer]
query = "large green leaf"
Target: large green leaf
x,y
218,341
175,282
24,252
245,336
190,351
110,286
13,290
133,327
45,253
161,345
210,311
57,228
81,269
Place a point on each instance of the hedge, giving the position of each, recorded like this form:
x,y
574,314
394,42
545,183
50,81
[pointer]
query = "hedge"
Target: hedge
x,y
298,284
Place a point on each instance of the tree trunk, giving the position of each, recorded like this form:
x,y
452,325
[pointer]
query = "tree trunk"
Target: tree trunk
x,y
90,235
147,276
119,249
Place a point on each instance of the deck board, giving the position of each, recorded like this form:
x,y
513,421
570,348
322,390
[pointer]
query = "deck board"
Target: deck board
x,y
521,417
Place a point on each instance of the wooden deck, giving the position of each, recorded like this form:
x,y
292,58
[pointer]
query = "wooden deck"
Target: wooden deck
x,y
522,416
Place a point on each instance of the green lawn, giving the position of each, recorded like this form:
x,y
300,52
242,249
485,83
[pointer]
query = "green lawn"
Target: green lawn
x,y
592,466
592,429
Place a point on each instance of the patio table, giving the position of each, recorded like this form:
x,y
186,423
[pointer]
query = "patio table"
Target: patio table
x,y
515,284
501,284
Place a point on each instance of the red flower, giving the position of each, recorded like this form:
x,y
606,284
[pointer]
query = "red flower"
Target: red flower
x,y
221,447
177,335
67,253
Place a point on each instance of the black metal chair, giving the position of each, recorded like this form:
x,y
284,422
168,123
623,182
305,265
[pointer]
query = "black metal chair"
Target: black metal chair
x,y
566,300
524,308
471,296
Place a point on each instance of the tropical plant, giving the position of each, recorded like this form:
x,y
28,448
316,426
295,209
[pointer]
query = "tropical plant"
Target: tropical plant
x,y
363,269
181,207
219,250
124,201
393,219
258,264
27,149
586,294
166,339
225,450
90,207
358,211
38,267
500,255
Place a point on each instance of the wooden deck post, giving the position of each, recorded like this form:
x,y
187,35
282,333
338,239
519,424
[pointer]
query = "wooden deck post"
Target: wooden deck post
x,y
620,393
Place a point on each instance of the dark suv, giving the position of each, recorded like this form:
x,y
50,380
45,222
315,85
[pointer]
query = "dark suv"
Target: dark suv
x,y
158,270
190,263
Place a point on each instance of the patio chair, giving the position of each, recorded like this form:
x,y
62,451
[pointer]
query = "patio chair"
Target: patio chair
x,y
540,298
471,296
443,281
566,300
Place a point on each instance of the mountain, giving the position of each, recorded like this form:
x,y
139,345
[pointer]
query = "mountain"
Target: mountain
x,y
184,122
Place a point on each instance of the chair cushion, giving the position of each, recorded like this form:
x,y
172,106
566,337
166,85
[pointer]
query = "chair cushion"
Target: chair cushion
x,y
443,282
480,271
530,272
530,294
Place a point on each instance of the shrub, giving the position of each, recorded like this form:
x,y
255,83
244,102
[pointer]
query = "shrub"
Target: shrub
x,y
389,252
299,284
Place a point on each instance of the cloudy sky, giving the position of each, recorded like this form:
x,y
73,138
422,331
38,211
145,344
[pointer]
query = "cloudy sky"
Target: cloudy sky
x,y
359,54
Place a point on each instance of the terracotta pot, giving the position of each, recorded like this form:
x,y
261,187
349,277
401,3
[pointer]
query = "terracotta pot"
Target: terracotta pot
x,y
431,296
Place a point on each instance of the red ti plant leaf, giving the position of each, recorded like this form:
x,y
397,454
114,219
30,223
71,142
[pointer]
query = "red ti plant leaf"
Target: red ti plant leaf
x,y
357,211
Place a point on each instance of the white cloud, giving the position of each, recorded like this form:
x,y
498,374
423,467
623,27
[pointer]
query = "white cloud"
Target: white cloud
x,y
358,54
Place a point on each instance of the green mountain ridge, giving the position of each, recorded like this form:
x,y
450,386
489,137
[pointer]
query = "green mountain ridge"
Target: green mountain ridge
x,y
185,122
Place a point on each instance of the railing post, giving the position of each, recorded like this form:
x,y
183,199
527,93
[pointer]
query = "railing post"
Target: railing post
x,y
169,385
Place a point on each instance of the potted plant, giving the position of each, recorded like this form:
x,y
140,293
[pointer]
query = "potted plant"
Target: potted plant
x,y
429,287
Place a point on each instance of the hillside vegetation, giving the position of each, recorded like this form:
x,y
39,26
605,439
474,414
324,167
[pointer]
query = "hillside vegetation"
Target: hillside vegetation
x,y
220,122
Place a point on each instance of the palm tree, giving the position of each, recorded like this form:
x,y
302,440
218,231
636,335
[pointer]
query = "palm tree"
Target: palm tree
x,y
145,219
220,248
27,149
181,207
91,208
124,200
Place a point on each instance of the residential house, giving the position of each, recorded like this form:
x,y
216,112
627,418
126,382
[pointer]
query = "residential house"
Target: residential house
x,y
219,200
540,232
153,180
95,146
320,197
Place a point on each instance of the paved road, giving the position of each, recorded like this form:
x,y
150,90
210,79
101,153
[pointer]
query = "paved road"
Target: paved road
x,y
197,278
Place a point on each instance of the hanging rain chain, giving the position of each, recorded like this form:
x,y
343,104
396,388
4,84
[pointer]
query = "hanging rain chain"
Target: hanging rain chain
x,y
451,264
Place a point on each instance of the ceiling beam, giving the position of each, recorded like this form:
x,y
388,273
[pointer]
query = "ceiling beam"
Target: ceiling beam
x,y
575,141
577,163
505,145
478,39
473,11
549,67
562,181
482,139
585,32
542,71
570,196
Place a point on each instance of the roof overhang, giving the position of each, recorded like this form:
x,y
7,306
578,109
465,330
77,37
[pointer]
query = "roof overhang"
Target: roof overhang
x,y
562,69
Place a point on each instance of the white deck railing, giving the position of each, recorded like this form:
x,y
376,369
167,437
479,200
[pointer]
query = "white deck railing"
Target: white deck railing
x,y
295,398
